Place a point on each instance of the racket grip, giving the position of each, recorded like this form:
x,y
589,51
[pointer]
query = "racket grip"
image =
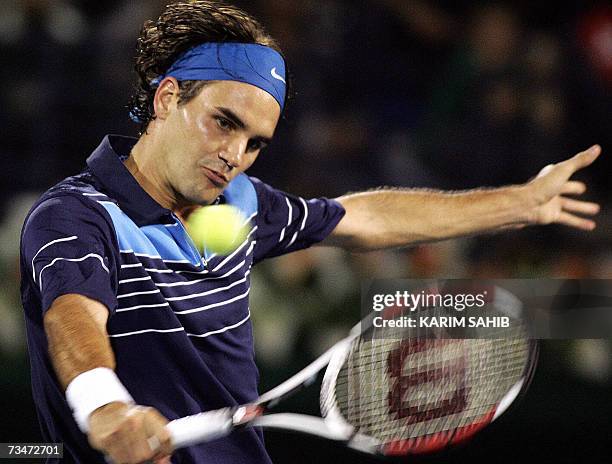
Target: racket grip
x,y
199,428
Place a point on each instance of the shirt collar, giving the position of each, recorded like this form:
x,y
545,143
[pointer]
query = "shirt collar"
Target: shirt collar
x,y
106,164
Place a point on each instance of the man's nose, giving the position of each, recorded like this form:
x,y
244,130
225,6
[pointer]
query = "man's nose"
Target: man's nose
x,y
233,152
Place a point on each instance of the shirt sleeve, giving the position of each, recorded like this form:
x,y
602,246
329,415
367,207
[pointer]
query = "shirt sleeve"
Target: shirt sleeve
x,y
287,223
69,246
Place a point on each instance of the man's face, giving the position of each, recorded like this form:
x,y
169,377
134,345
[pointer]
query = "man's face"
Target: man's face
x,y
214,137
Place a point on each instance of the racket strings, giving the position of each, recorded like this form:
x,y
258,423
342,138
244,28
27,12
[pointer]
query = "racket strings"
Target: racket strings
x,y
396,389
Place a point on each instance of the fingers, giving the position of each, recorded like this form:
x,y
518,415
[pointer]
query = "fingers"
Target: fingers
x,y
154,443
570,206
575,221
573,187
128,444
159,437
580,207
584,158
135,435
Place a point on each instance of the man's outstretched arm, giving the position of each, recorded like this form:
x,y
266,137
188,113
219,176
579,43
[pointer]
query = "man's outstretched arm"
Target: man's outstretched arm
x,y
388,218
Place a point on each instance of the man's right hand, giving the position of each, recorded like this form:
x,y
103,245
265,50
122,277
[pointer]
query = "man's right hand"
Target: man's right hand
x,y
129,434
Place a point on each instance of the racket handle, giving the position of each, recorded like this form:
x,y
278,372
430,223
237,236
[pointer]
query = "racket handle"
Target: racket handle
x,y
199,428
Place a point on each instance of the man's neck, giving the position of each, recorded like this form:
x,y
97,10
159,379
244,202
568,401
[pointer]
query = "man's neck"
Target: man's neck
x,y
143,166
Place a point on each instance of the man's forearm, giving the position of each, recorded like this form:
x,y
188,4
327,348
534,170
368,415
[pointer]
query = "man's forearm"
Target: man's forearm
x,y
83,360
77,339
395,218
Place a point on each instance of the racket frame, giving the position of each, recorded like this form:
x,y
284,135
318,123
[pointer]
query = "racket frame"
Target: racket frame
x,y
206,426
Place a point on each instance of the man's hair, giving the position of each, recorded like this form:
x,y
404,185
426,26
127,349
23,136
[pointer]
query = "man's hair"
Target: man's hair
x,y
181,26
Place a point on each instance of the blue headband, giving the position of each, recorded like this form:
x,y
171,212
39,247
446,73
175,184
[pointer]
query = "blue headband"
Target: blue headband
x,y
253,64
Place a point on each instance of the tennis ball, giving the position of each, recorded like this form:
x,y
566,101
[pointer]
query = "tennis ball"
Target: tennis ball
x,y
218,228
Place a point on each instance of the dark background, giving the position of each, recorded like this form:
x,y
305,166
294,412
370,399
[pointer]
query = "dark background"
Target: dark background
x,y
448,95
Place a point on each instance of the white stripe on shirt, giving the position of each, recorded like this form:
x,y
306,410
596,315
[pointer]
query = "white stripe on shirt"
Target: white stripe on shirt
x,y
148,292
191,282
123,266
65,239
90,255
303,223
214,305
144,255
209,292
140,254
132,308
282,234
159,271
224,329
136,279
138,332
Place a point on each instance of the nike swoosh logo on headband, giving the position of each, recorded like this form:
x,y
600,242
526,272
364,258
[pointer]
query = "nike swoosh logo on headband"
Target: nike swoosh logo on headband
x,y
276,76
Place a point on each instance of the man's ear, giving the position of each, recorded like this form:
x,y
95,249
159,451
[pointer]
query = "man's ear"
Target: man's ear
x,y
166,97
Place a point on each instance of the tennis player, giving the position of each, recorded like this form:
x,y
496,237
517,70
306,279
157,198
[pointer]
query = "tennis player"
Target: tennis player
x,y
128,325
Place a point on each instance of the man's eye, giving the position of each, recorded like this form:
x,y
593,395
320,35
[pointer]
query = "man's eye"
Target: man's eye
x,y
255,145
223,123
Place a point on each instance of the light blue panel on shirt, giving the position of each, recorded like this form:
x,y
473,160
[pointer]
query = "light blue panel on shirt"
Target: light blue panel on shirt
x,y
241,194
154,240
167,246
158,240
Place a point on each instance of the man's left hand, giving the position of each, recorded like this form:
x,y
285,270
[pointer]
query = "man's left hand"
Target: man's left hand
x,y
550,188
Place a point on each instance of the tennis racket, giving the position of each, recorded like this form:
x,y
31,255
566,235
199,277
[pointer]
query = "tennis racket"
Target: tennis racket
x,y
390,393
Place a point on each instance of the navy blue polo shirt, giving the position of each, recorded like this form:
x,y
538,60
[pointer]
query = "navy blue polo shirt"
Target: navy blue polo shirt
x,y
179,323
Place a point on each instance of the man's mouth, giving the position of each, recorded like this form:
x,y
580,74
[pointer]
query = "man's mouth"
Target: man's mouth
x,y
217,178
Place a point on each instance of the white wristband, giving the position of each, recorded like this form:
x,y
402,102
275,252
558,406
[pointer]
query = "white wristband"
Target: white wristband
x,y
92,389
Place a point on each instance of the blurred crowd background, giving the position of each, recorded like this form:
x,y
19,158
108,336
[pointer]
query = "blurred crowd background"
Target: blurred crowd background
x,y
422,93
